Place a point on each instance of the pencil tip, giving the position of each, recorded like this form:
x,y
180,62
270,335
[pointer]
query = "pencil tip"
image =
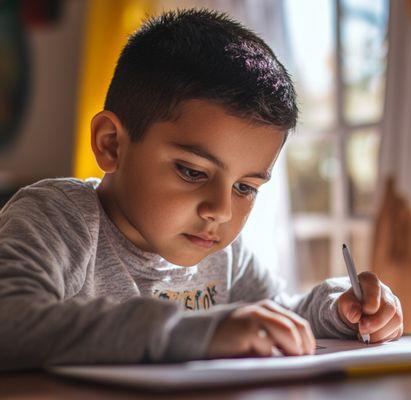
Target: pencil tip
x,y
344,246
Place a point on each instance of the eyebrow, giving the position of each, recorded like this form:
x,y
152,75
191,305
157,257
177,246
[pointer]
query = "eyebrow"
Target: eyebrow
x,y
200,151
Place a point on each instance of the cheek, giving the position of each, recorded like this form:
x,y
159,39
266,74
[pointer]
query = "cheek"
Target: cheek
x,y
163,207
243,211
246,212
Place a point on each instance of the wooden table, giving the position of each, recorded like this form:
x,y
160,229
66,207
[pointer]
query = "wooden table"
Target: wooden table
x,y
38,385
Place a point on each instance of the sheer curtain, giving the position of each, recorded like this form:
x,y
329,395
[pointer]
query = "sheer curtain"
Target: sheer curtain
x,y
268,230
396,143
392,241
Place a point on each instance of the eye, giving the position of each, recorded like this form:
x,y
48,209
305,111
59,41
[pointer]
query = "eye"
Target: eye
x,y
193,175
247,190
190,174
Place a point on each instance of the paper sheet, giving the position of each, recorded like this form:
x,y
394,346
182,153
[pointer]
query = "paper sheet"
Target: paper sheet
x,y
333,356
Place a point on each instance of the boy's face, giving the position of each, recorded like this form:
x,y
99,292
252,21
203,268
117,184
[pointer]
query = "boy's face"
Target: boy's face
x,y
160,192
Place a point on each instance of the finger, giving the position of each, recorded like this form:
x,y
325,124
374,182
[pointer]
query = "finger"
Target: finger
x,y
389,329
281,330
399,308
394,336
399,332
303,326
306,334
371,292
349,307
373,323
262,344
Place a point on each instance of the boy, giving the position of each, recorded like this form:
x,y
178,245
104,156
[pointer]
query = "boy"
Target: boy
x,y
103,272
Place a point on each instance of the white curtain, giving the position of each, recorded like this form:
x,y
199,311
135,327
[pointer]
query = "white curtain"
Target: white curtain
x,y
392,239
396,132
268,230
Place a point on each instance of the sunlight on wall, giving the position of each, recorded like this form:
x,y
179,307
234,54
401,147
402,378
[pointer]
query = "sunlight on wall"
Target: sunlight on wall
x,y
107,26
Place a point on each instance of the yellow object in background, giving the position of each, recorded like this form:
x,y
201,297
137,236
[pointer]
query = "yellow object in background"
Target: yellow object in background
x,y
107,26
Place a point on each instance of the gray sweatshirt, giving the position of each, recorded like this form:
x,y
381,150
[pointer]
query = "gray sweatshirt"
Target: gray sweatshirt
x,y
75,290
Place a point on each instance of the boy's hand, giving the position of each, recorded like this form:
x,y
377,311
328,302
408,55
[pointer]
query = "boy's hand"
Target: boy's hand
x,y
253,330
380,314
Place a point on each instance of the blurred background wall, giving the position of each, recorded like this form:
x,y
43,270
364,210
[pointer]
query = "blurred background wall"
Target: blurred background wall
x,y
42,143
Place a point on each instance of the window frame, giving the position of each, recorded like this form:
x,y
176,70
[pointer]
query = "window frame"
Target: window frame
x,y
339,224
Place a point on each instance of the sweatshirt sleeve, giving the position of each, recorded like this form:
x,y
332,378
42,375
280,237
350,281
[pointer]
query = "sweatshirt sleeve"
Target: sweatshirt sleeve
x,y
43,243
319,307
252,282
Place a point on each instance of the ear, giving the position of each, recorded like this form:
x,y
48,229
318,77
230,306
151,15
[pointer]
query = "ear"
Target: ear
x,y
107,135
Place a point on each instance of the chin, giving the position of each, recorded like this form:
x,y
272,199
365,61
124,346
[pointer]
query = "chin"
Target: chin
x,y
188,264
185,260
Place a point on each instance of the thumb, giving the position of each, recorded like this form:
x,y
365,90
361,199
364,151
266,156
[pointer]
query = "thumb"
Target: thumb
x,y
349,308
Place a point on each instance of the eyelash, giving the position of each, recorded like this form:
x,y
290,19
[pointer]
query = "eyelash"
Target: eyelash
x,y
252,191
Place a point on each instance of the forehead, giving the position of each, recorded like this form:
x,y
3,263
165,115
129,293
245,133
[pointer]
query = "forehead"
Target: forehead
x,y
203,125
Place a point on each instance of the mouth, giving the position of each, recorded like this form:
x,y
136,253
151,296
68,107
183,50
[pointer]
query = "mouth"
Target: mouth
x,y
199,241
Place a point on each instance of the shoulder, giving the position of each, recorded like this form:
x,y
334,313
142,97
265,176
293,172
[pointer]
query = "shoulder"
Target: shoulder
x,y
60,199
247,263
72,188
242,255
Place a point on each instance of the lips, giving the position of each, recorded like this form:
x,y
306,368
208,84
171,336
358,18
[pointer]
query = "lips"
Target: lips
x,y
199,241
207,237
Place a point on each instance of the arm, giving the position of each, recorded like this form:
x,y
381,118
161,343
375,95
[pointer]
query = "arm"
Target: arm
x,y
255,328
253,282
45,248
319,307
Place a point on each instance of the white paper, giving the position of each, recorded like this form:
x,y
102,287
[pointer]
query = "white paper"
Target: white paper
x,y
332,356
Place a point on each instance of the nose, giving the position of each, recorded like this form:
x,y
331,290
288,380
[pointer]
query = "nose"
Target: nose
x,y
217,205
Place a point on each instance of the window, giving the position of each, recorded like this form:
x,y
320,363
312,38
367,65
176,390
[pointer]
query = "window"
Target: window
x,y
337,55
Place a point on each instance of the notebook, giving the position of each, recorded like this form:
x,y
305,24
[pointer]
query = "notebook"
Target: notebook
x,y
332,355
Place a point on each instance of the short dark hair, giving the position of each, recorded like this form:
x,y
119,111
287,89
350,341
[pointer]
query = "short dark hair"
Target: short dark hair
x,y
198,54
